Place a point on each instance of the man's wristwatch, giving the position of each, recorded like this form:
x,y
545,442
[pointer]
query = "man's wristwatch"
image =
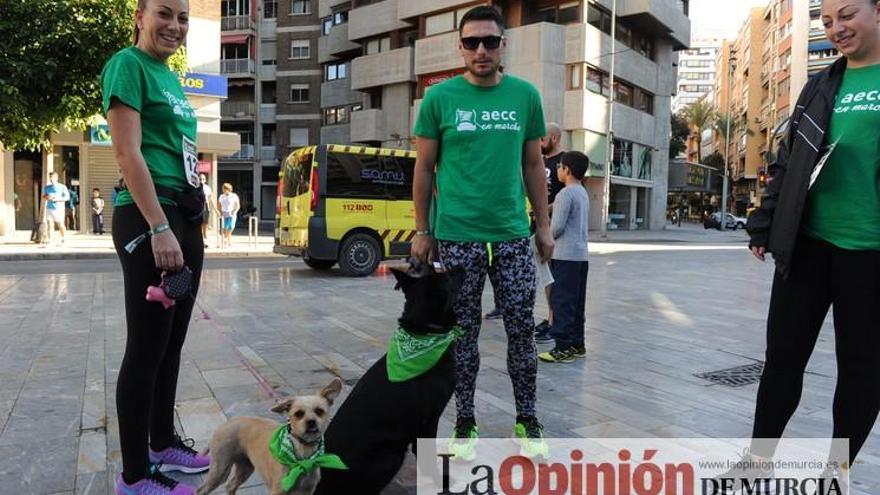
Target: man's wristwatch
x,y
423,232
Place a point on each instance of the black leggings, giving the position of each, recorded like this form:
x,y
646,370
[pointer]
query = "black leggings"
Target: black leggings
x,y
147,381
822,275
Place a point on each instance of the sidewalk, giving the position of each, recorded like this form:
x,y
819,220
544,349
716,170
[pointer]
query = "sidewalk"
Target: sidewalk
x,y
82,246
89,246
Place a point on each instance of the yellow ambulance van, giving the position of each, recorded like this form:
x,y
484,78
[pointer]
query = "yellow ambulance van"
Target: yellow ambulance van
x,y
343,204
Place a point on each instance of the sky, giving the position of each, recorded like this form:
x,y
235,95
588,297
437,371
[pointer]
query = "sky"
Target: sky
x,y
720,18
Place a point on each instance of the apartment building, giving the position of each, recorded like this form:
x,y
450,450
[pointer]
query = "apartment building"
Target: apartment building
x,y
84,159
696,73
269,52
395,50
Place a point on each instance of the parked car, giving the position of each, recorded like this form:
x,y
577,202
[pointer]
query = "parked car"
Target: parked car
x,y
733,222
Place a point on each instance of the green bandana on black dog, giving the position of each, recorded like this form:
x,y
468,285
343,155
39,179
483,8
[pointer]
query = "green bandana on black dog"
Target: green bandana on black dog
x,y
282,450
412,355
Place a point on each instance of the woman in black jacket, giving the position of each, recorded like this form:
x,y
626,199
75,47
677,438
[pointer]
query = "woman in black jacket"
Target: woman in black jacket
x,y
820,218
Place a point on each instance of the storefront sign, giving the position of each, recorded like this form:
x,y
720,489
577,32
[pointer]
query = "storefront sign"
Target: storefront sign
x,y
205,167
432,79
100,135
194,83
697,176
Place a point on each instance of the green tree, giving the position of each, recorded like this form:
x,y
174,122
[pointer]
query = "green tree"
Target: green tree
x,y
699,115
737,125
714,160
50,64
680,132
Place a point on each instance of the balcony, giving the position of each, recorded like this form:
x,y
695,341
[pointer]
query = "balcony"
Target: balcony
x,y
242,67
438,53
368,125
325,7
237,110
375,19
336,44
336,134
381,69
339,92
245,153
408,9
658,17
236,23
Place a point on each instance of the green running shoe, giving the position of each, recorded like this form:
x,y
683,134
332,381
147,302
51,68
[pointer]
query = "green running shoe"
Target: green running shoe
x,y
530,435
464,439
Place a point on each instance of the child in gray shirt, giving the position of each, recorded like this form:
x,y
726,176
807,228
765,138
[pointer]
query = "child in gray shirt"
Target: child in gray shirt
x,y
569,225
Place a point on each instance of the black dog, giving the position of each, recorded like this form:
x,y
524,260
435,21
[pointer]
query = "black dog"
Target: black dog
x,y
381,418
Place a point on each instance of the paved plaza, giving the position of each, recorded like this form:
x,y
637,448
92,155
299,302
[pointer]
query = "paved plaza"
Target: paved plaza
x,y
657,315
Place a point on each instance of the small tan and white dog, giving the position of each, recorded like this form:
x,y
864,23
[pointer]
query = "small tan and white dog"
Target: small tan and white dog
x,y
244,444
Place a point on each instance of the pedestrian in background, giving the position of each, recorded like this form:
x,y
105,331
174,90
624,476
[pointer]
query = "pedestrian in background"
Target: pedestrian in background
x,y
209,206
569,226
229,207
154,133
824,233
56,196
97,212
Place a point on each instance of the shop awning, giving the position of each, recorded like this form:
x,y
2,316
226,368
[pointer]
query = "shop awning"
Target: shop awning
x,y
234,39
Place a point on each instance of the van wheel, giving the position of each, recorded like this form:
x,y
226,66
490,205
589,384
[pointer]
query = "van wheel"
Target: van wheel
x,y
318,264
360,255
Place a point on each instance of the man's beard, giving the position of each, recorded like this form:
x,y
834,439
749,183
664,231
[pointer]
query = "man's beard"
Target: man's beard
x,y
485,74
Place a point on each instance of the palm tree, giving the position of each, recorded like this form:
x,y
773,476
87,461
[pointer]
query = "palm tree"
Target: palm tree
x,y
737,124
698,115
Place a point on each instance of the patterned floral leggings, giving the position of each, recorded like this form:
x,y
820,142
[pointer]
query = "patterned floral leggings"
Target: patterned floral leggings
x,y
511,269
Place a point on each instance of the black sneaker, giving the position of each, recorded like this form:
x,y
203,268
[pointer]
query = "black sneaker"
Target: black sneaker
x,y
529,433
494,314
758,473
543,327
578,351
544,338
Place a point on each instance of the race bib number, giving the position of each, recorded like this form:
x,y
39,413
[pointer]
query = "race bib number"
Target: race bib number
x,y
190,162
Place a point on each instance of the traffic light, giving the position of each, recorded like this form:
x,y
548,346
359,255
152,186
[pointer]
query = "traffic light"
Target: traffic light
x,y
762,177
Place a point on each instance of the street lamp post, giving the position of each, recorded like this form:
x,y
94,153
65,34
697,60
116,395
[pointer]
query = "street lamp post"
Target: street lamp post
x,y
731,66
609,133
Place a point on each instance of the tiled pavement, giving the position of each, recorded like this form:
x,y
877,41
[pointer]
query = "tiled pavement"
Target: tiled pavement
x,y
656,316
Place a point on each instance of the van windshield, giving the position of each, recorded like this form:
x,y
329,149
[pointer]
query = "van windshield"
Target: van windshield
x,y
297,174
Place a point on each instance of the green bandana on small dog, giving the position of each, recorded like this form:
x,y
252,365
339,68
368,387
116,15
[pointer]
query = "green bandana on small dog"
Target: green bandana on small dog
x,y
282,450
412,355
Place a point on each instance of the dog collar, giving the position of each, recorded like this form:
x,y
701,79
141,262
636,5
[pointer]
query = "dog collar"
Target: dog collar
x,y
282,450
412,355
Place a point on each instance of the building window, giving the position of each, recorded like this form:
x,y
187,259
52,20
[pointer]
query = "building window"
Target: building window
x,y
621,165
300,7
377,45
269,51
624,92
559,12
336,19
444,22
232,8
268,134
270,9
299,93
299,137
644,101
268,92
334,71
300,49
234,51
575,75
600,19
337,115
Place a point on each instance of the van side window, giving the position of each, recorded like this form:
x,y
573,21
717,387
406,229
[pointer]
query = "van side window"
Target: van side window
x,y
399,177
297,175
351,175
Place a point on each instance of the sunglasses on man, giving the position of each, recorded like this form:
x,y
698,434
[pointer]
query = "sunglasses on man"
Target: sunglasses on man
x,y
489,42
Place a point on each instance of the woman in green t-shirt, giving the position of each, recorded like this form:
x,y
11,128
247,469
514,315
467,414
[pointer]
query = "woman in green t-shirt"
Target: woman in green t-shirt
x,y
153,128
820,218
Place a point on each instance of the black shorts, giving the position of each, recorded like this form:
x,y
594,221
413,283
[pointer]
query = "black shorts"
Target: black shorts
x,y
206,216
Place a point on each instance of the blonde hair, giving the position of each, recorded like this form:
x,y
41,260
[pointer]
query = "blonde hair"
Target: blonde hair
x,y
227,186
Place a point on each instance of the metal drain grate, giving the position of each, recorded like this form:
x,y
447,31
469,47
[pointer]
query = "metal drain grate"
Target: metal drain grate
x,y
735,377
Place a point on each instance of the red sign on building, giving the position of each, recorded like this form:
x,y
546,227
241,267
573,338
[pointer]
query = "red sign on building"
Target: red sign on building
x,y
205,167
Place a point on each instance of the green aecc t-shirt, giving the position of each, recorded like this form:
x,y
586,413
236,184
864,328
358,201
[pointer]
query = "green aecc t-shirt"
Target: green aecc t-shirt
x,y
168,122
843,206
481,133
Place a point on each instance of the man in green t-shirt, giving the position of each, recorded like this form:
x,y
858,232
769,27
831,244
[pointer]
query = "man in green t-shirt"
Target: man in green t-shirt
x,y
481,132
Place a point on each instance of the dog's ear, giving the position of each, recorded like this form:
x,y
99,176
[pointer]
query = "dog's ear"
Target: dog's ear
x,y
283,406
331,390
403,279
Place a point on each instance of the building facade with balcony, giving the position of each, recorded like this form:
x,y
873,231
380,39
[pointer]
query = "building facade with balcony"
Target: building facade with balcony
x,y
696,73
269,54
84,158
561,47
